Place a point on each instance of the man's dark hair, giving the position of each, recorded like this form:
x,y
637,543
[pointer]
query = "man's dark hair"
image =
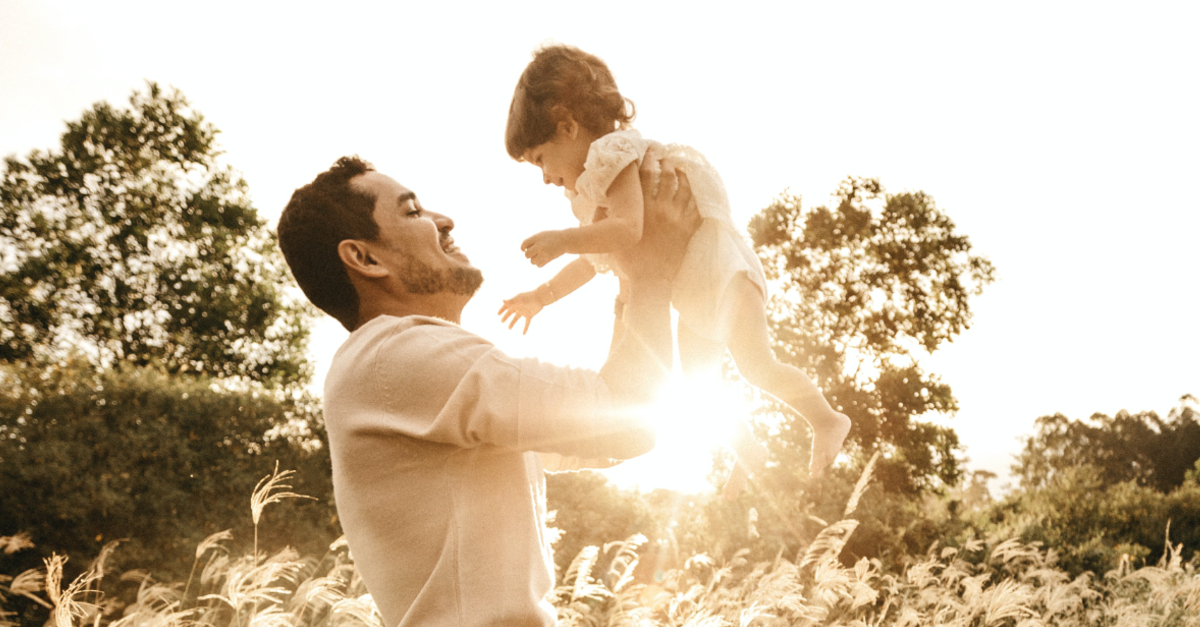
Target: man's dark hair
x,y
318,217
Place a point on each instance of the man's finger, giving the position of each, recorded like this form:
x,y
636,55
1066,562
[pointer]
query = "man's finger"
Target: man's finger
x,y
650,172
668,185
527,321
683,187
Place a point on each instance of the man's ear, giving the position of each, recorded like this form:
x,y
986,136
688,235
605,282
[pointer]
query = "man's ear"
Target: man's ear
x,y
356,256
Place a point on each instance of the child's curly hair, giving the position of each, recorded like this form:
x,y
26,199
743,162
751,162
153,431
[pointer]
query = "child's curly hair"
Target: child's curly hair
x,y
560,81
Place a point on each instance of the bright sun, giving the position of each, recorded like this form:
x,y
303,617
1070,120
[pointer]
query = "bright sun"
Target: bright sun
x,y
693,420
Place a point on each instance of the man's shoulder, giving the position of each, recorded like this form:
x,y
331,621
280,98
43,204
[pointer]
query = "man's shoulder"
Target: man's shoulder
x,y
420,337
388,351
383,328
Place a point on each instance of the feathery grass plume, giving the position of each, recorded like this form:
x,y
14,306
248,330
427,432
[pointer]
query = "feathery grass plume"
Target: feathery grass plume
x,y
265,493
359,610
861,486
68,607
16,542
579,573
829,542
28,583
1008,599
212,542
620,569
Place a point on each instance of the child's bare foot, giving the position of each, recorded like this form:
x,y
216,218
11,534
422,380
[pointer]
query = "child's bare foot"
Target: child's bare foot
x,y
827,442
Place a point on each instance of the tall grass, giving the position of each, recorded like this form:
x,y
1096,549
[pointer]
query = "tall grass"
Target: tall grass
x,y
986,582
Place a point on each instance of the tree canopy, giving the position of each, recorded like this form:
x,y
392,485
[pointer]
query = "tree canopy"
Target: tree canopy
x,y
133,243
1141,447
862,292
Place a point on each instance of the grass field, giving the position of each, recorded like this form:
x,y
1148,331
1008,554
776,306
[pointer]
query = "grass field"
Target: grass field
x,y
984,583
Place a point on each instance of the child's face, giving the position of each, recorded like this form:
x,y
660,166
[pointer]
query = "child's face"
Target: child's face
x,y
561,159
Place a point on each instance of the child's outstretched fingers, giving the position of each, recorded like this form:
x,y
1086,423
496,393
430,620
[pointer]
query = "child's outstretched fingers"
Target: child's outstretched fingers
x,y
524,305
513,316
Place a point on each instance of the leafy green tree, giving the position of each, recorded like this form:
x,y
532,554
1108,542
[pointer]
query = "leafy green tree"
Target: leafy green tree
x,y
1140,447
132,243
862,292
158,461
1092,523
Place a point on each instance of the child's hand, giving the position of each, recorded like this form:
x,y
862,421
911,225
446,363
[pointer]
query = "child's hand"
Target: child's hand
x,y
524,305
544,247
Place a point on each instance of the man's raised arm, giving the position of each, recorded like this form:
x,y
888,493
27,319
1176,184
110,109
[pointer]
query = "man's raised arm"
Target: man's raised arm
x,y
639,366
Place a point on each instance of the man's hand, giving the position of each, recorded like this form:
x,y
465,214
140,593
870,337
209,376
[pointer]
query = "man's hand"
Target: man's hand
x,y
544,247
671,217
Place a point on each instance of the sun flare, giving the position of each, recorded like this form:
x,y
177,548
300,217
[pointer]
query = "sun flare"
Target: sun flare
x,y
694,419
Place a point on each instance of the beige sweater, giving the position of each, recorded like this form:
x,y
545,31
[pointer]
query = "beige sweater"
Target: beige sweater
x,y
432,431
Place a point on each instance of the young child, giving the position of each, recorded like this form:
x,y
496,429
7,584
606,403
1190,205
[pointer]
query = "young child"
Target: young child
x,y
568,119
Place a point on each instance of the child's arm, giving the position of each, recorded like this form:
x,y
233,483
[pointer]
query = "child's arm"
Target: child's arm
x,y
528,304
618,229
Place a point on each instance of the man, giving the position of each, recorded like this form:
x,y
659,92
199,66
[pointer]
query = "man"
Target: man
x,y
438,439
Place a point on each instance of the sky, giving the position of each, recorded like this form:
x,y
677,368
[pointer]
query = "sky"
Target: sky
x,y
1061,137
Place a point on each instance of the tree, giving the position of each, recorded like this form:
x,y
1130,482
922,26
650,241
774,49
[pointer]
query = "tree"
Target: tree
x,y
133,244
1092,523
862,291
1141,447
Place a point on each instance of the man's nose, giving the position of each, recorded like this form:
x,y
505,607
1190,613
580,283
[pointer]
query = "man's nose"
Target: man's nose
x,y
443,222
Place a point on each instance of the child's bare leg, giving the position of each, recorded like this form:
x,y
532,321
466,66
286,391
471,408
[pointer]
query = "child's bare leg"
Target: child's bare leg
x,y
751,348
700,357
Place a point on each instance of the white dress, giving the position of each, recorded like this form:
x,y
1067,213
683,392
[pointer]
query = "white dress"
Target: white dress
x,y
717,252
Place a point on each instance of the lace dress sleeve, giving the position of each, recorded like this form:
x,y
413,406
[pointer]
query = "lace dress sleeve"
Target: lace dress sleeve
x,y
606,158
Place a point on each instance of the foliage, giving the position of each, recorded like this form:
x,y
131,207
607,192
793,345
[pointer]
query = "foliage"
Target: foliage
x,y
132,243
1095,526
221,589
594,511
983,582
159,461
1139,447
861,292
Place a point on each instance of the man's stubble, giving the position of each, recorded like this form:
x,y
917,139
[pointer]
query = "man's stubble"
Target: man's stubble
x,y
419,277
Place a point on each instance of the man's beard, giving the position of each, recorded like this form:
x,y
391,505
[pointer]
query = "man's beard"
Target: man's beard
x,y
419,277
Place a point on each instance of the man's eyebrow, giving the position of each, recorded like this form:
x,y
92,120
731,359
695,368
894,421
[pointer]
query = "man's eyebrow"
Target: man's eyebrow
x,y
406,196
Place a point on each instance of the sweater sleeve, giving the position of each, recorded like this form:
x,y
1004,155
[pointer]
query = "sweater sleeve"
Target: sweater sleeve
x,y
478,395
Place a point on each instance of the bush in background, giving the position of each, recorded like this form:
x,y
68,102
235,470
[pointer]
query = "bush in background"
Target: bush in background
x,y
159,462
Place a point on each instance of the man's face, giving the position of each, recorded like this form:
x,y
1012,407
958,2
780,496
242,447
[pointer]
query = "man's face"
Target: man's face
x,y
414,243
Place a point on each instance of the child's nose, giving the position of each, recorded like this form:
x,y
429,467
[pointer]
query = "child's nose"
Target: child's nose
x,y
545,177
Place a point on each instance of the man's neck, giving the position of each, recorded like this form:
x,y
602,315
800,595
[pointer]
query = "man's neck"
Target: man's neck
x,y
448,307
